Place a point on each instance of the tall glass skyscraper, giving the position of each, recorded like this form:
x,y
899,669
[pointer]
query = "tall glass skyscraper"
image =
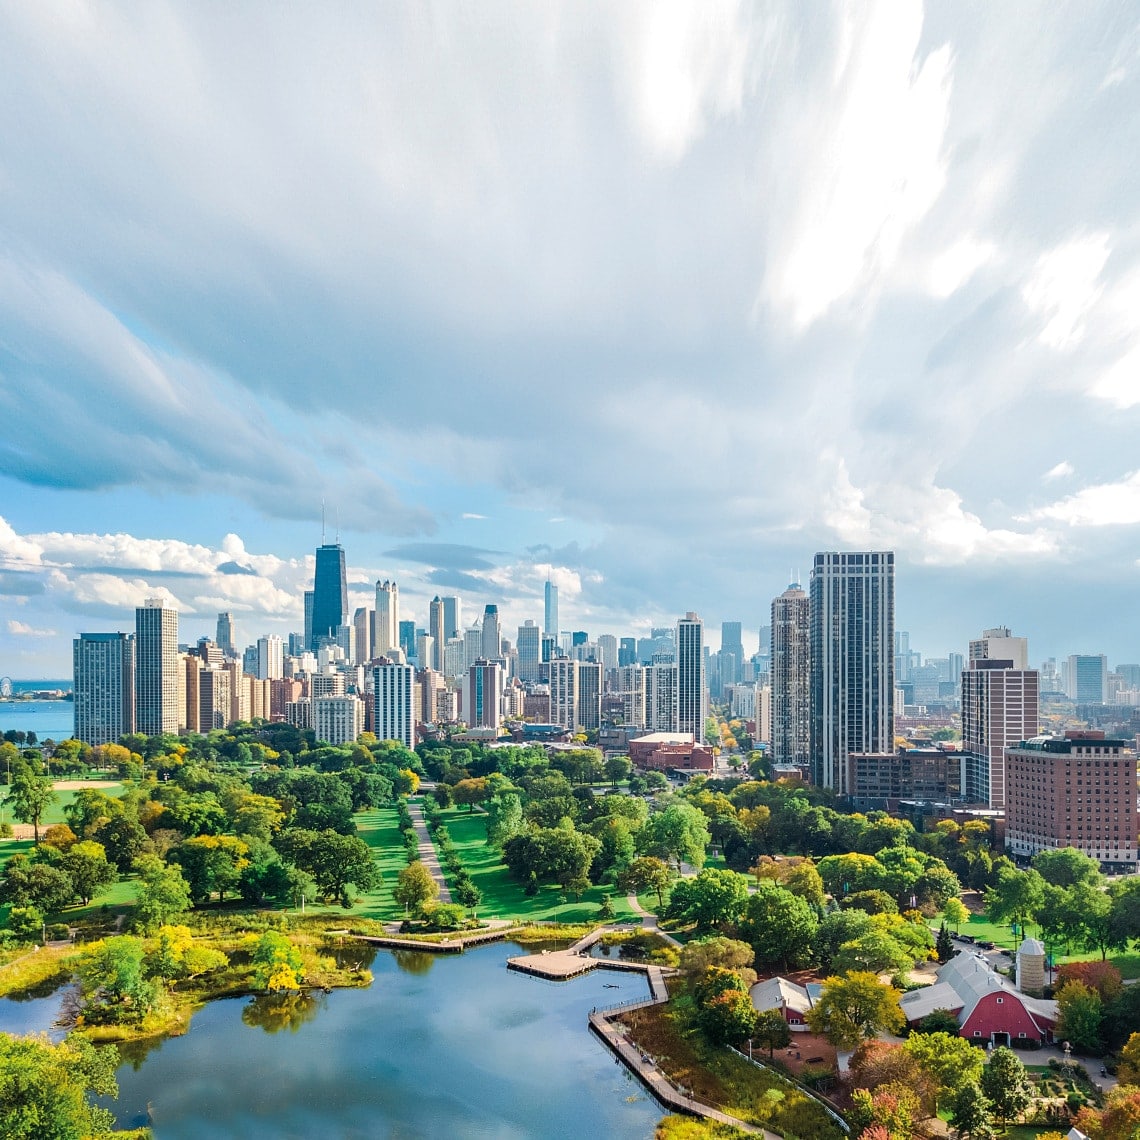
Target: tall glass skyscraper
x,y
104,675
550,621
157,667
852,660
330,593
692,696
791,678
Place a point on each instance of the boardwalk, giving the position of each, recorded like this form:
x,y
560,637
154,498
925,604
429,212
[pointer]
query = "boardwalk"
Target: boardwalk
x,y
428,855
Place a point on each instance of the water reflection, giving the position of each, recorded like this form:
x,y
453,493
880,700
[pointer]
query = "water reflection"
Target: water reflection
x,y
274,1012
414,961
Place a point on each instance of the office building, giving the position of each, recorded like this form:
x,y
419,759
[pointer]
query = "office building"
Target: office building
x,y
452,616
225,638
308,621
529,651
270,658
731,655
563,681
692,696
484,690
608,651
1086,678
439,635
1078,791
627,652
364,625
550,619
852,618
425,649
330,593
407,635
1000,702
790,673
454,658
157,668
392,703
104,686
389,628
338,720
492,634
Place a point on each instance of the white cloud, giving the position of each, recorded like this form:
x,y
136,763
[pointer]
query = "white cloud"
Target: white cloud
x,y
22,629
1104,504
954,267
1120,384
1061,471
1064,286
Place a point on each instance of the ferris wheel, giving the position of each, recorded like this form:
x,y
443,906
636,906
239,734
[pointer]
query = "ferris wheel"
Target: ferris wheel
x,y
5,686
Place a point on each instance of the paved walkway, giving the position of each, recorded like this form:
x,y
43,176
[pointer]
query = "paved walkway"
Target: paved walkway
x,y
428,855
649,922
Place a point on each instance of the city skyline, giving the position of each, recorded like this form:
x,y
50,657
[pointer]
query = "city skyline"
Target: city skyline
x,y
480,309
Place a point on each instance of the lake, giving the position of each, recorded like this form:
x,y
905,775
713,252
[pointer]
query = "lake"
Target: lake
x,y
438,1046
54,719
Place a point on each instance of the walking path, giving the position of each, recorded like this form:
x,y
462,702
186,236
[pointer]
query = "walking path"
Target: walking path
x,y
649,921
427,852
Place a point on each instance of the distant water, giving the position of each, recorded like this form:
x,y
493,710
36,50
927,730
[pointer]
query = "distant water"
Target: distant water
x,y
54,719
38,686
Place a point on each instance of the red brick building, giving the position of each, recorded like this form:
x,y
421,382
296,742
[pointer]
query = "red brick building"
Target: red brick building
x,y
664,751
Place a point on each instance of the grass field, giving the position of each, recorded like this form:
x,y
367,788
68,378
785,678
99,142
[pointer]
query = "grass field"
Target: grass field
x,y
503,896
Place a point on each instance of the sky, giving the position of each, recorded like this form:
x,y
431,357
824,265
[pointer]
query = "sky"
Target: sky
x,y
653,299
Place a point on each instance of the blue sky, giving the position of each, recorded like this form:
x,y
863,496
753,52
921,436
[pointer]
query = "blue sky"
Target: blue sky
x,y
656,298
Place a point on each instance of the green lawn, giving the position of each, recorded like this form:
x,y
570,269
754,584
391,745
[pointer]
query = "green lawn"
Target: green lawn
x,y
54,813
379,828
503,896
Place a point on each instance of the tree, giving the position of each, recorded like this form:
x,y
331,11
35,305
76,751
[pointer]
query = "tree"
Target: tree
x,y
1095,921
1015,897
617,769
1006,1085
893,1107
44,1087
211,863
944,945
414,887
938,1021
711,899
1103,977
30,796
1080,1015
504,818
855,1007
679,832
471,792
1066,866
277,963
557,853
163,892
947,1058
876,952
123,839
771,1030
955,913
28,883
646,874
727,1017
727,953
113,982
86,863
778,925
336,862
1128,1068
178,956
971,1113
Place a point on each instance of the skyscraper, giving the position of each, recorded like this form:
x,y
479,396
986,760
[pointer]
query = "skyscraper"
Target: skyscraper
x,y
364,621
392,703
439,634
308,621
389,634
590,695
564,693
790,671
852,614
484,690
225,638
270,658
492,634
731,653
1086,678
692,697
530,651
452,616
661,698
330,593
550,619
1000,699
157,668
104,686
407,635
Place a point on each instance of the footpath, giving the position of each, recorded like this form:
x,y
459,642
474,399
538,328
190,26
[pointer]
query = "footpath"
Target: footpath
x,y
427,851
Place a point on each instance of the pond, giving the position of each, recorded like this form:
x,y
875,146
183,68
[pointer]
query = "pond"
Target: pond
x,y
436,1047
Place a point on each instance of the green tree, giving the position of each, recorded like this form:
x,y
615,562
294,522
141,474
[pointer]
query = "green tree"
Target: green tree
x,y
617,769
947,1058
1128,1068
1006,1085
414,887
679,832
504,818
469,895
471,792
113,981
876,952
44,1087
26,922
1080,1017
1066,866
335,861
855,1007
646,874
778,925
971,1113
944,944
705,953
771,1031
938,1021
955,913
163,893
727,1017
86,864
41,885
123,839
710,899
277,963
29,797
1015,896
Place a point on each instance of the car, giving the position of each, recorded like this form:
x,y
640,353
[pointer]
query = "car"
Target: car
x,y
986,945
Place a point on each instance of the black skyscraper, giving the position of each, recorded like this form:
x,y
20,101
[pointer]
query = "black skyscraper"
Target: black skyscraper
x,y
330,593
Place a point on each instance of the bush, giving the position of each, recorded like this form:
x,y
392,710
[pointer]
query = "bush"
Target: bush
x,y
58,932
5,830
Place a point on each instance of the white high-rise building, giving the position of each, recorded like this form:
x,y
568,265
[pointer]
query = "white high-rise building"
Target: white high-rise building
x,y
852,612
104,686
392,704
661,698
550,619
790,671
338,720
999,645
564,692
692,695
270,658
439,635
590,695
472,646
631,689
608,650
454,658
387,619
492,634
157,668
